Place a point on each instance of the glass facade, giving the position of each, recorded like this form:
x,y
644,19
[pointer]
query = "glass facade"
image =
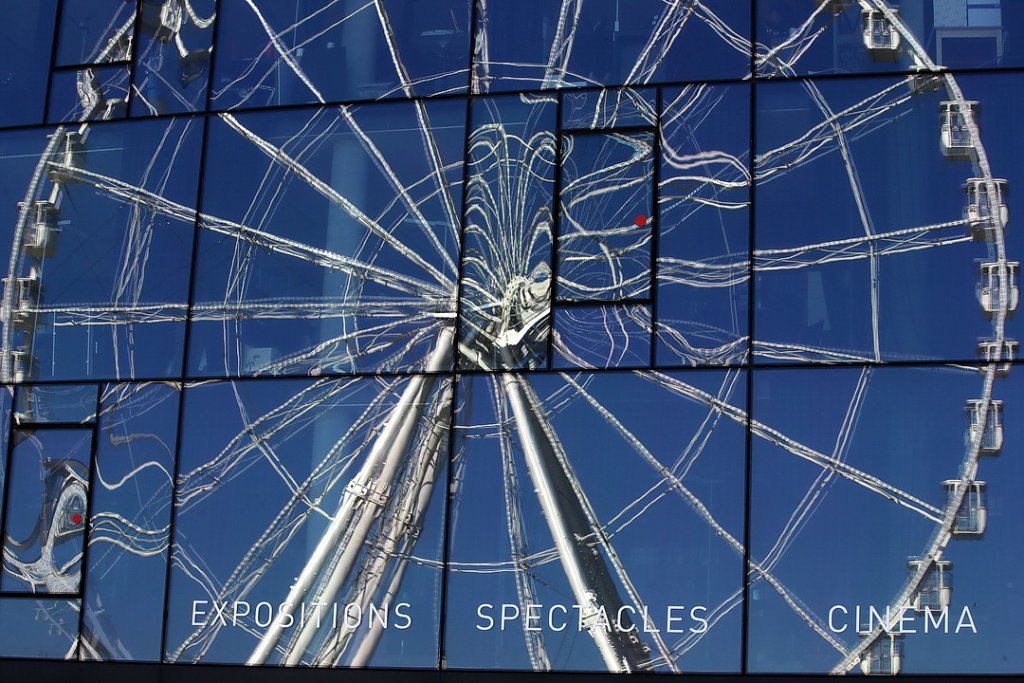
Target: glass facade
x,y
489,335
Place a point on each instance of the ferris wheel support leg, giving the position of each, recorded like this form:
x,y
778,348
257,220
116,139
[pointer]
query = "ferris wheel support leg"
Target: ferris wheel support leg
x,y
409,522
588,575
371,483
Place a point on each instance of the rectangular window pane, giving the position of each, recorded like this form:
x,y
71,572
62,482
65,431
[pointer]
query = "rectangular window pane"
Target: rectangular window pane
x,y
349,264
506,265
70,403
598,523
309,523
604,229
38,629
130,523
45,519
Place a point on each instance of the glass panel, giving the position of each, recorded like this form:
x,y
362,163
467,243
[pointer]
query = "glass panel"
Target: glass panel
x,y
46,511
26,37
593,109
506,286
129,523
703,237
841,36
602,337
42,629
597,523
337,249
865,246
101,276
173,64
309,524
851,519
604,231
95,31
539,44
93,94
63,403
292,51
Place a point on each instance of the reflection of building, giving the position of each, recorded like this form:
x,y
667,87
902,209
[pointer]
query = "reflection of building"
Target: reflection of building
x,y
491,336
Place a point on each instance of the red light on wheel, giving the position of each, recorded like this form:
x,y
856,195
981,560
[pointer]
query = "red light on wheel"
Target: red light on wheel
x,y
76,519
640,220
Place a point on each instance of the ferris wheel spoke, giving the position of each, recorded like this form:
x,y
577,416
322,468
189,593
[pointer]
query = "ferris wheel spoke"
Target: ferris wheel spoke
x,y
260,238
668,477
562,43
853,122
821,485
661,40
883,244
800,609
426,131
278,156
300,408
794,447
795,45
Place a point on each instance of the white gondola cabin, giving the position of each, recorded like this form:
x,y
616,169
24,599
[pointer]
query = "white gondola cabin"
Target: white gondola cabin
x,y
990,434
997,288
884,657
936,588
991,351
41,232
955,134
21,365
70,154
984,222
26,302
972,515
881,38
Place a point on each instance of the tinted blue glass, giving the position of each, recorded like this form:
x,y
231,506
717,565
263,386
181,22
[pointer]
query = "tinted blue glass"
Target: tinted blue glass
x,y
618,493
840,36
865,246
129,523
172,66
26,36
95,31
105,241
316,501
337,250
62,403
43,629
275,52
538,44
703,231
606,203
506,286
850,499
45,518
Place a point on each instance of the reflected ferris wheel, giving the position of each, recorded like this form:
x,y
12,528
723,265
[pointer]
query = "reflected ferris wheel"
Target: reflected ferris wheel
x,y
552,242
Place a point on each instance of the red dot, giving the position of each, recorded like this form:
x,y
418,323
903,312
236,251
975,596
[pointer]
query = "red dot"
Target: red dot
x,y
76,519
640,220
